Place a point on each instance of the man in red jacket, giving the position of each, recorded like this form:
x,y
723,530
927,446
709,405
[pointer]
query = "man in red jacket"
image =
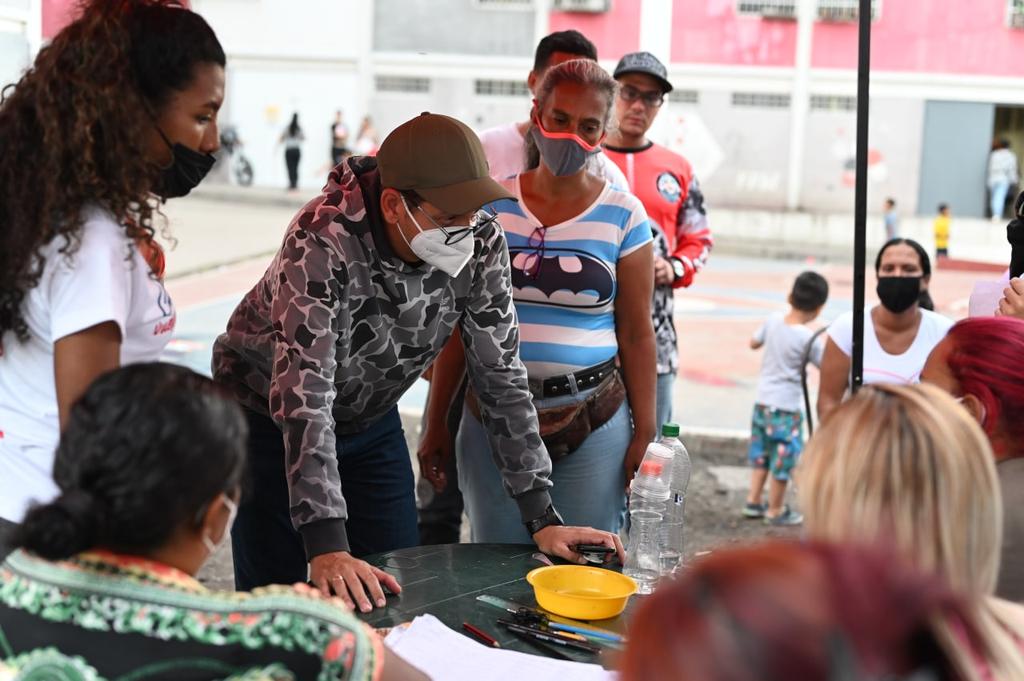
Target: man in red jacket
x,y
664,182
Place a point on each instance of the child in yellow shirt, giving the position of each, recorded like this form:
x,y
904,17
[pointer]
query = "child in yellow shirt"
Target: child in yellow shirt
x,y
941,227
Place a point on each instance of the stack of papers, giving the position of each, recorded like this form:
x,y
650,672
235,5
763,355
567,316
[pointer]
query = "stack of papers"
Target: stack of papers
x,y
446,655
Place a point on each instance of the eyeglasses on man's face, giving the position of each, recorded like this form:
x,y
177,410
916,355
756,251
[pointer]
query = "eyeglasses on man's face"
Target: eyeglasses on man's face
x,y
453,234
650,98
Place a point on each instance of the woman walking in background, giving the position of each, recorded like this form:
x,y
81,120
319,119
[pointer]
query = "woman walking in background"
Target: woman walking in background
x,y
292,139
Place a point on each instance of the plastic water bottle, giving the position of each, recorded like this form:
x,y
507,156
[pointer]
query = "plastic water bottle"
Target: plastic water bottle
x,y
648,496
673,526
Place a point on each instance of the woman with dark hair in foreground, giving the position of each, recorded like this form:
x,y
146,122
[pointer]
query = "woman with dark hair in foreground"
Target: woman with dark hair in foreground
x,y
102,585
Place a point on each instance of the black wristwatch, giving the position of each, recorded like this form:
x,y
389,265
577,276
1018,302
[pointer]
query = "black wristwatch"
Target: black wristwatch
x,y
550,517
677,268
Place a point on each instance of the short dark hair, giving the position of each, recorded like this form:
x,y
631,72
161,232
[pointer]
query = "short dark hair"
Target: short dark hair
x,y
943,207
570,42
891,201
810,291
146,448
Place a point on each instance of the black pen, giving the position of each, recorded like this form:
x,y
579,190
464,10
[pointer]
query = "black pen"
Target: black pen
x,y
547,649
549,637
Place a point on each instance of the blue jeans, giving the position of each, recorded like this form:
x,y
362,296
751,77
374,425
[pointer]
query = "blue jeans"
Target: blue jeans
x,y
589,484
998,192
376,480
663,407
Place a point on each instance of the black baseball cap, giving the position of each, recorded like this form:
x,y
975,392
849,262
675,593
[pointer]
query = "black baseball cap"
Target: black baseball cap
x,y
442,160
646,63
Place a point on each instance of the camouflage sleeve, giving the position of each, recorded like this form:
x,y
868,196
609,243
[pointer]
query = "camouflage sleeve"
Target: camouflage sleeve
x,y
305,307
490,332
693,236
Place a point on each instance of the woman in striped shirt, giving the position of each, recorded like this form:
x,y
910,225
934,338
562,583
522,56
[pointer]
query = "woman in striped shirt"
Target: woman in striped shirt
x,y
582,272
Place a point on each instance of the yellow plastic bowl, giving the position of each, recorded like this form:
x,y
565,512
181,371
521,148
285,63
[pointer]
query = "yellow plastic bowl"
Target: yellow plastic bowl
x,y
580,591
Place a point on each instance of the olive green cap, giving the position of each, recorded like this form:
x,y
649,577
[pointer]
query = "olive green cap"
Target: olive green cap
x,y
442,160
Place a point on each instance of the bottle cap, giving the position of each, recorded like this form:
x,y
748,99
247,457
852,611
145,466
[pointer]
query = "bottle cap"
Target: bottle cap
x,y
651,468
670,430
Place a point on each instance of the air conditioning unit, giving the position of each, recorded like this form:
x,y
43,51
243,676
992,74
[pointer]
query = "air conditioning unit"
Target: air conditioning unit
x,y
839,14
1017,20
779,11
589,6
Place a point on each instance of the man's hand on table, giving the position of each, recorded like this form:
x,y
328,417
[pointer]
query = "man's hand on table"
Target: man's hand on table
x,y
559,540
350,578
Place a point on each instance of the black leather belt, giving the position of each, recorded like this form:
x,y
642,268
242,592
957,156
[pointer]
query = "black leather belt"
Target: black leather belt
x,y
586,379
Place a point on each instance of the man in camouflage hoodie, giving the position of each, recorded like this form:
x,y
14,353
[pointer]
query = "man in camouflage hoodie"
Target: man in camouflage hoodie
x,y
371,279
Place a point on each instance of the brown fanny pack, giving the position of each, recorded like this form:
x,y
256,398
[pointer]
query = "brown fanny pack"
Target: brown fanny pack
x,y
564,428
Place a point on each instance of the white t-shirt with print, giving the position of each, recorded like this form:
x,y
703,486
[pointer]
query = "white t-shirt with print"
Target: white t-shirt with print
x,y
879,365
106,279
505,149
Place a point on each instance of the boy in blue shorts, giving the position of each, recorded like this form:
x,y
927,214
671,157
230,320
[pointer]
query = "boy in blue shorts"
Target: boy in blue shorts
x,y
776,437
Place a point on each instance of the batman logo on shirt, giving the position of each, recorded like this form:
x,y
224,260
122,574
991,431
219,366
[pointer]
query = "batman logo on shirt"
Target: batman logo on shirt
x,y
567,278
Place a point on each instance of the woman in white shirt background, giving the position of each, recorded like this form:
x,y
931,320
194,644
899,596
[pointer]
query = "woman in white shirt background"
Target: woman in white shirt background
x,y
118,112
899,332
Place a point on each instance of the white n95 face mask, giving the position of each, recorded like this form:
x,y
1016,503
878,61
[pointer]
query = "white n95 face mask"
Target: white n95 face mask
x,y
446,248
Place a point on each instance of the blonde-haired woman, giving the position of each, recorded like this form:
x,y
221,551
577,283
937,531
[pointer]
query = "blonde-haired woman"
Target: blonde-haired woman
x,y
907,466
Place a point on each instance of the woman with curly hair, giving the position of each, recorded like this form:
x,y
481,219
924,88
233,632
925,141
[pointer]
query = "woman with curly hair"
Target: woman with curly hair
x,y
118,113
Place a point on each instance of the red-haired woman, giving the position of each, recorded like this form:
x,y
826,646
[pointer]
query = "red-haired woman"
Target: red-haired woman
x,y
117,113
813,612
981,362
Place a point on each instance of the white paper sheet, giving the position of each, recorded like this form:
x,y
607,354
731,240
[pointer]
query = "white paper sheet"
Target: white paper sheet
x,y
446,655
986,296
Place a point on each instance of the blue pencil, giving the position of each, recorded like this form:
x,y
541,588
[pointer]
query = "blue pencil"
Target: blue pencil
x,y
590,633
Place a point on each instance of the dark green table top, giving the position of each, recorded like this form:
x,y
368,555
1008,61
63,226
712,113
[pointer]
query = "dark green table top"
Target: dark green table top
x,y
445,580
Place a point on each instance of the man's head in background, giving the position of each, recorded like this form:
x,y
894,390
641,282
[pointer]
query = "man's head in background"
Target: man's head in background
x,y
643,84
555,48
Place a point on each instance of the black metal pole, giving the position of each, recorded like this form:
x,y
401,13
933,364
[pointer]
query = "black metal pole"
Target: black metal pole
x,y
860,210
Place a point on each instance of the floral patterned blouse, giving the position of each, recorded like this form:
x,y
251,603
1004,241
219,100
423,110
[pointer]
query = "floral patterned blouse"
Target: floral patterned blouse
x,y
106,617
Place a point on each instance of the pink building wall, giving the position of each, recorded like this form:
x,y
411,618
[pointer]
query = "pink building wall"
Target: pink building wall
x,y
969,38
615,33
711,32
56,15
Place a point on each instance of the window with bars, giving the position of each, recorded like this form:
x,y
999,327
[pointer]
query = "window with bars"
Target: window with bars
x,y
401,84
684,97
845,10
833,103
761,100
772,9
1015,13
502,88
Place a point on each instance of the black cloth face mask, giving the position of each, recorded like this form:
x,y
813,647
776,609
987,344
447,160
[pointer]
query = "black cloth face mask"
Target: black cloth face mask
x,y
187,170
898,294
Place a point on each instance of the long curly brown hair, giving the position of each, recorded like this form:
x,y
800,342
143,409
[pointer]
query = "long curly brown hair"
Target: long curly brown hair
x,y
74,129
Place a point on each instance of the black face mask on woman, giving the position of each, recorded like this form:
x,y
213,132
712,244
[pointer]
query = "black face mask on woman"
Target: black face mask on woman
x,y
187,170
898,294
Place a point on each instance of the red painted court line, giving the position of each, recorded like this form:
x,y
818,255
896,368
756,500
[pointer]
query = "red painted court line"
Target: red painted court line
x,y
206,286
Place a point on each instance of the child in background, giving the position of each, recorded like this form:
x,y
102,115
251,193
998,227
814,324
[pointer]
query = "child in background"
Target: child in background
x,y
942,231
776,437
891,220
